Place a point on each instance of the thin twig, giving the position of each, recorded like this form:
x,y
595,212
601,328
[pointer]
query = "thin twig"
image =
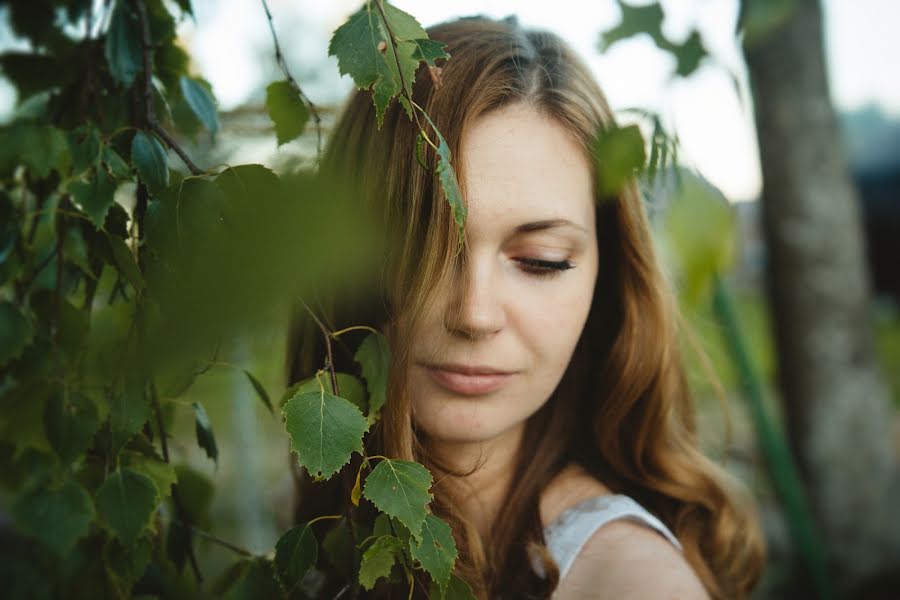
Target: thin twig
x,y
279,58
327,335
216,539
149,112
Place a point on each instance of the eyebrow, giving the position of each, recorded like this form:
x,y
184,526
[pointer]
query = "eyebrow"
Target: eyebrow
x,y
548,224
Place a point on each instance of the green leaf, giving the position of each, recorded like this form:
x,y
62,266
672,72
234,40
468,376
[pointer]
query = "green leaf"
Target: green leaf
x,y
689,54
15,332
201,101
118,167
71,420
449,183
129,409
58,516
647,19
437,549
325,431
205,437
365,51
95,196
374,357
378,560
339,548
84,147
260,390
619,154
149,156
124,261
351,388
41,148
127,500
296,553
287,110
399,488
161,473
429,51
123,44
457,589
250,579
33,73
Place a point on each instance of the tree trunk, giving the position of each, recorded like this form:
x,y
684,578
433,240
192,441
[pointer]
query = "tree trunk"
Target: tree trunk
x,y
837,404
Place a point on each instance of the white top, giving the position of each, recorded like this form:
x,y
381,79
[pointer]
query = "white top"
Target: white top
x,y
567,535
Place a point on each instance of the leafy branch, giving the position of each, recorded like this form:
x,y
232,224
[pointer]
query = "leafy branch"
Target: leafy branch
x,y
147,85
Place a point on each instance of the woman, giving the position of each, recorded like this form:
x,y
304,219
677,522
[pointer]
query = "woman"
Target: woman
x,y
535,373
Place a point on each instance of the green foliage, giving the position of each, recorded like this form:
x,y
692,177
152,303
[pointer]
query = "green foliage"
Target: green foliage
x,y
325,431
436,551
400,489
648,19
112,306
296,553
619,155
287,110
378,560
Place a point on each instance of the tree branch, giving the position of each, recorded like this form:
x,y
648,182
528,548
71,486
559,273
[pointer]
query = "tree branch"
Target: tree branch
x,y
147,88
279,58
327,335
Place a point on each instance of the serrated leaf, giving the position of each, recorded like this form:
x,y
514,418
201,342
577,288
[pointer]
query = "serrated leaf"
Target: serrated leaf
x,y
71,419
399,488
457,589
260,390
15,332
429,51
437,549
58,517
619,155
149,156
201,101
95,196
296,553
287,110
127,500
123,44
374,357
378,559
325,431
205,437
118,167
449,182
365,51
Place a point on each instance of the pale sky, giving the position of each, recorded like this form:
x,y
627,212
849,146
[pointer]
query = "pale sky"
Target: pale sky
x,y
712,122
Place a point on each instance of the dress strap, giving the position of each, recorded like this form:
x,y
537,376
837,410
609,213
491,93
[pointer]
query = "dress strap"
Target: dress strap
x,y
568,534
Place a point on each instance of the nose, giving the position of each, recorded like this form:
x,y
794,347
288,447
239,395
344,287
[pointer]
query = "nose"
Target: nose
x,y
476,308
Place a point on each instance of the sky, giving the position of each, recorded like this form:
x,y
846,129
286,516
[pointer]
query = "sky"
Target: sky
x,y
229,41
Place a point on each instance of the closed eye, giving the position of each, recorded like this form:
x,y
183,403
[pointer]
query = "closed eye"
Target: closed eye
x,y
544,268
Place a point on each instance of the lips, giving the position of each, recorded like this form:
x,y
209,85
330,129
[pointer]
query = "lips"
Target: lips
x,y
468,380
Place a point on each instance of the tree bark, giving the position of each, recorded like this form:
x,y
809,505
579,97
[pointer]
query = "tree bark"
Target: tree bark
x,y
837,404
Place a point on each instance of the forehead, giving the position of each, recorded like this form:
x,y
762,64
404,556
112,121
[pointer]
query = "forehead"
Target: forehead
x,y
521,166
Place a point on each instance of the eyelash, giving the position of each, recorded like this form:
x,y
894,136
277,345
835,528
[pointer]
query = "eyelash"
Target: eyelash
x,y
544,268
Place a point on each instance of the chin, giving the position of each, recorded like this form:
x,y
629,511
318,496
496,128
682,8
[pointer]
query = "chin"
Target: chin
x,y
462,422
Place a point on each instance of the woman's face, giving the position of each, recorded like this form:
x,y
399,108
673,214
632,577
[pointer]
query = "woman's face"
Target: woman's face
x,y
489,355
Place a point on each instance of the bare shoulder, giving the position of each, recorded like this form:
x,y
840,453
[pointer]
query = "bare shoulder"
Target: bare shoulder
x,y
625,559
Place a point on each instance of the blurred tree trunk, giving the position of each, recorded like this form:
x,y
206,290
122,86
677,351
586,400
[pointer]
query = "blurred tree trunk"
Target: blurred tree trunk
x,y
836,402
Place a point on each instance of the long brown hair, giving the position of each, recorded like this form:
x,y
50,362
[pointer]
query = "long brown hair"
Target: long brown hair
x,y
625,372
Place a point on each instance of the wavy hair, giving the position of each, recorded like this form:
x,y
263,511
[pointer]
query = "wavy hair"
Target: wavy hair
x,y
625,373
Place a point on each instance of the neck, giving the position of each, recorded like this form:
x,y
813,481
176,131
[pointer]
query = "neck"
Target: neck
x,y
483,491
